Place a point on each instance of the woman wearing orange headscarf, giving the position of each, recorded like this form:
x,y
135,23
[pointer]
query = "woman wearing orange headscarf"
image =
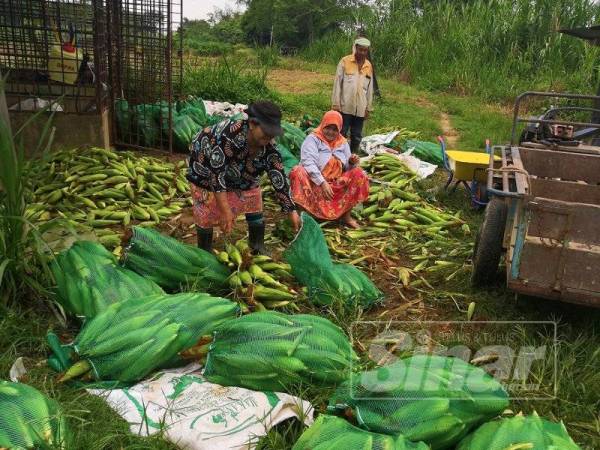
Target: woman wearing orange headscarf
x,y
328,182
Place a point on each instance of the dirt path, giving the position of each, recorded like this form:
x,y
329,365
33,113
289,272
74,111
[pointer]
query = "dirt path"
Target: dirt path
x,y
298,81
450,134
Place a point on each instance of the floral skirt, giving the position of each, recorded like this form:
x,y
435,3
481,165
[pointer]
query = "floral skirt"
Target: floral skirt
x,y
207,213
351,188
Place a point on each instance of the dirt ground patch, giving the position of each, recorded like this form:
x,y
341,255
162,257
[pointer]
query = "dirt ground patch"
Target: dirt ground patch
x,y
450,133
298,81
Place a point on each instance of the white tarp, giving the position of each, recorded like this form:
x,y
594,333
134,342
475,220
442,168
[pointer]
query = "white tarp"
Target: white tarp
x,y
225,109
195,414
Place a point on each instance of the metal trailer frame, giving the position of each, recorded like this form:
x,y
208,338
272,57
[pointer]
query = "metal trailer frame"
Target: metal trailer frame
x,y
552,207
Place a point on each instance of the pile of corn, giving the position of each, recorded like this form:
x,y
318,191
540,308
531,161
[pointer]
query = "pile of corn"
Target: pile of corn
x,y
258,281
106,189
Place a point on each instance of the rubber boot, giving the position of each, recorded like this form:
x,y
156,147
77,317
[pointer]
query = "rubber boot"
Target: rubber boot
x,y
256,238
205,238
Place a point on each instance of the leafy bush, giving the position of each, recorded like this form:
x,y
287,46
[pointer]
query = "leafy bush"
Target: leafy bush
x,y
23,258
226,80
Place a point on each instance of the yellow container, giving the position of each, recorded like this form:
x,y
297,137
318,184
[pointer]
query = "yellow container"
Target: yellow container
x,y
63,63
464,164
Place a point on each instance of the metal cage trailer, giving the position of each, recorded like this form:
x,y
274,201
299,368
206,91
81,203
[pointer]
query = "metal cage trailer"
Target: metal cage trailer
x,y
544,215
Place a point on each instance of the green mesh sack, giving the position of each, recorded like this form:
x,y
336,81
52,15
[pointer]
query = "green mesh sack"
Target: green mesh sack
x,y
131,339
172,264
88,279
29,419
270,351
333,433
427,398
123,116
425,151
520,432
146,126
292,138
288,159
326,281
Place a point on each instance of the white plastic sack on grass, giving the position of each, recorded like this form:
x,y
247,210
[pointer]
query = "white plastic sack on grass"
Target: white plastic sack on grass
x,y
376,143
197,415
421,168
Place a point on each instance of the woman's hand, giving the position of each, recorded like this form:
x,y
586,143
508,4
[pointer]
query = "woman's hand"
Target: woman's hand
x,y
327,191
295,219
226,219
354,160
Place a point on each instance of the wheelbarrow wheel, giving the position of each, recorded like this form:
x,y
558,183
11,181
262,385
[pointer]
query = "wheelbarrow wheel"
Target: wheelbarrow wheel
x,y
488,244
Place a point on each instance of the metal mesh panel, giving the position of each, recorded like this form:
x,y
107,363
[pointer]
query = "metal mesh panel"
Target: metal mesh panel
x,y
53,49
146,70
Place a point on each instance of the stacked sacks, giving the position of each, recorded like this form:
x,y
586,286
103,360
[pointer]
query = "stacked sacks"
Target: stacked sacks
x,y
333,433
28,419
270,351
519,432
131,339
327,281
172,264
88,280
427,398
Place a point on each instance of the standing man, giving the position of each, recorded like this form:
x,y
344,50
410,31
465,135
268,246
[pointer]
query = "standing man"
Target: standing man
x,y
353,91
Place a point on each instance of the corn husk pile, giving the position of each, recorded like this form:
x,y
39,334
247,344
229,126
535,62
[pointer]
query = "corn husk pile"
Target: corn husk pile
x,y
104,190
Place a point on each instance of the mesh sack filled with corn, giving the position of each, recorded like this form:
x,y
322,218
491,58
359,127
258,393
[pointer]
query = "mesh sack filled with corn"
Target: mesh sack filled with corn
x,y
88,279
519,433
333,433
29,419
131,339
172,264
327,281
428,398
271,351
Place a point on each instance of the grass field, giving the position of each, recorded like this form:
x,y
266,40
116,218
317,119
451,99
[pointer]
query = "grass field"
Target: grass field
x,y
569,384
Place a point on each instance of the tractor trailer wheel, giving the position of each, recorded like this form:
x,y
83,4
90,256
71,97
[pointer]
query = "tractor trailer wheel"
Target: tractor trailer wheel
x,y
488,244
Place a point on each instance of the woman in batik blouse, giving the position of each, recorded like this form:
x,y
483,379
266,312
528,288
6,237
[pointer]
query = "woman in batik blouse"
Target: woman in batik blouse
x,y
226,162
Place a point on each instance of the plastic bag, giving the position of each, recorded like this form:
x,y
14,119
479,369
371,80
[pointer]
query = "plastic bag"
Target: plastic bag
x,y
327,281
426,151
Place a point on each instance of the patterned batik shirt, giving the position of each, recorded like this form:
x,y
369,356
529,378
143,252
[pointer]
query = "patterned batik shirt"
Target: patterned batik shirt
x,y
220,162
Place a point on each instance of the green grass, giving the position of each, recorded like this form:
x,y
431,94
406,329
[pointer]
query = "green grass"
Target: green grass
x,y
97,427
492,49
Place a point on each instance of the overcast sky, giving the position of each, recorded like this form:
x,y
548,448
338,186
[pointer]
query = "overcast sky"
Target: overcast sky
x,y
199,9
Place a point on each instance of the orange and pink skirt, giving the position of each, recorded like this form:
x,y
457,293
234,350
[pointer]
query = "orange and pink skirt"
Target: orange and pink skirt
x,y
349,189
207,213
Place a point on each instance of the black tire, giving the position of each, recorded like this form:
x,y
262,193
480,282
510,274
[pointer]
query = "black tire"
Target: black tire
x,y
488,244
